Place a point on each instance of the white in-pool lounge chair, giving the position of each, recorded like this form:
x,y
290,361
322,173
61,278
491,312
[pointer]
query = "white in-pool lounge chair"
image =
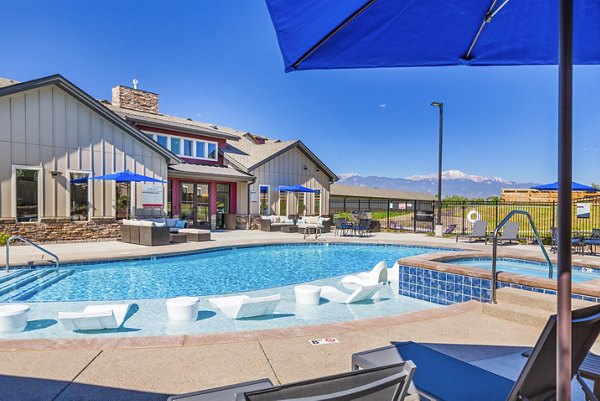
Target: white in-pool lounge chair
x,y
337,296
379,274
242,306
95,317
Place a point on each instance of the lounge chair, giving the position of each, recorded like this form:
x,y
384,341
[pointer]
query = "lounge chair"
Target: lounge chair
x,y
337,296
479,232
450,229
576,243
379,274
95,317
388,383
510,233
242,306
441,376
342,226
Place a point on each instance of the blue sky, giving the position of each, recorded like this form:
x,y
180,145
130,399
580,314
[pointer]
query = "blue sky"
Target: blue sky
x,y
218,61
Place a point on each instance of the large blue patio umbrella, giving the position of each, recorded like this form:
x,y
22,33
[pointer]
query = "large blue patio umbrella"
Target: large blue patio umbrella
x,y
324,34
297,188
575,186
122,176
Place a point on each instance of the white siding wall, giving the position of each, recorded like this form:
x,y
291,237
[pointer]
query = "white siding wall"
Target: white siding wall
x,y
48,128
288,169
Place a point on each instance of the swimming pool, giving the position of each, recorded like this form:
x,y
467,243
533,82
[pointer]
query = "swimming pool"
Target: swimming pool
x,y
527,267
214,272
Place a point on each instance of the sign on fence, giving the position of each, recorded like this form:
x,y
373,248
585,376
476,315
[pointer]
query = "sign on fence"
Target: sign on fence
x,y
583,210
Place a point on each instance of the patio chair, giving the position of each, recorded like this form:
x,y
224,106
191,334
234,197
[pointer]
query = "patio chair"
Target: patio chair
x,y
441,376
379,274
593,240
242,306
479,231
450,229
95,317
387,383
510,233
363,227
337,296
576,242
342,225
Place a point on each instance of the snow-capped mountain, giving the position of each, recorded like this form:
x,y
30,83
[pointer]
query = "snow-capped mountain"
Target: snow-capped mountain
x,y
454,182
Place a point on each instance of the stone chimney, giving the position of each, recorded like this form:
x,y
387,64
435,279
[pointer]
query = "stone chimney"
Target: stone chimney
x,y
135,99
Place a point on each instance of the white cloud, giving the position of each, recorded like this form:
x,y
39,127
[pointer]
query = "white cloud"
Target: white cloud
x,y
591,148
382,105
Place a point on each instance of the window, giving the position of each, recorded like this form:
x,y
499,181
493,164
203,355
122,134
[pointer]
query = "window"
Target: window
x,y
188,147
317,203
264,200
212,151
283,203
122,202
176,145
150,136
301,204
162,140
27,194
79,192
201,149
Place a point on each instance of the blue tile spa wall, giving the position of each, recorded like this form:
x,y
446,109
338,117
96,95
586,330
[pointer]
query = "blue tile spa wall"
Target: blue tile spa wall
x,y
449,288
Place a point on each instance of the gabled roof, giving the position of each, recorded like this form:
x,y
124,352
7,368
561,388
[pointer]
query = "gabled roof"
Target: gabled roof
x,y
7,82
249,155
208,171
173,122
70,88
376,193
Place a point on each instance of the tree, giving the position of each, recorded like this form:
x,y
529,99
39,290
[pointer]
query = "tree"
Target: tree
x,y
493,198
597,186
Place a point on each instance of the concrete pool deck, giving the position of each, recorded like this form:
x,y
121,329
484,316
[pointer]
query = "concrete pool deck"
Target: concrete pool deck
x,y
114,369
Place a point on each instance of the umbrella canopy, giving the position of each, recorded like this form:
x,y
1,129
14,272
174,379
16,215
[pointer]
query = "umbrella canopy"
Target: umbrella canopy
x,y
575,186
323,34
123,176
297,188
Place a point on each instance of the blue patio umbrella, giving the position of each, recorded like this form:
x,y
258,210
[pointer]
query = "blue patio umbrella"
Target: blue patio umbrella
x,y
575,186
326,34
123,176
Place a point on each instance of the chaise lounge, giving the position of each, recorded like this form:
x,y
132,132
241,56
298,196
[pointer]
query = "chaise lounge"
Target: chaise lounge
x,y
479,232
242,306
95,317
388,383
443,377
510,233
337,296
379,274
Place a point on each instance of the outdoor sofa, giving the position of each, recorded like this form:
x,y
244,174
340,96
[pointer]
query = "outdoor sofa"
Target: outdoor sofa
x,y
324,223
143,232
275,223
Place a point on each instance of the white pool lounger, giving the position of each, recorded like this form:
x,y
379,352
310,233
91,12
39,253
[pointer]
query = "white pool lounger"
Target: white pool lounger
x,y
379,274
95,317
242,306
333,294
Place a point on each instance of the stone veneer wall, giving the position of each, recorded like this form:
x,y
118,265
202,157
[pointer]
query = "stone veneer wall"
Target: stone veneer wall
x,y
59,229
135,99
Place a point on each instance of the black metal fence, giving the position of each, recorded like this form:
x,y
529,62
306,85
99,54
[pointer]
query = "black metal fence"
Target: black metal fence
x,y
418,216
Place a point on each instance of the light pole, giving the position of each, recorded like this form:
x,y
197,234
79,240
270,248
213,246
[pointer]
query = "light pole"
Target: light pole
x,y
438,225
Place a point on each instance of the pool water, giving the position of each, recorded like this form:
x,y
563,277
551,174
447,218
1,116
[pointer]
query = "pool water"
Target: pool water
x,y
530,268
231,270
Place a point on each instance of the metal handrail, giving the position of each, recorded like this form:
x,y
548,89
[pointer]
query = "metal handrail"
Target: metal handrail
x,y
47,252
495,246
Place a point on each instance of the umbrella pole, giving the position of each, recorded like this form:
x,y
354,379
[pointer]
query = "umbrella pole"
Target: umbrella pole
x,y
565,172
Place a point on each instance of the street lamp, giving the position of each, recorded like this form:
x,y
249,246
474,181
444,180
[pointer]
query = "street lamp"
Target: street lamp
x,y
438,225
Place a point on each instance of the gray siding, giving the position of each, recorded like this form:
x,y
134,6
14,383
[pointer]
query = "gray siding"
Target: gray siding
x,y
49,129
288,169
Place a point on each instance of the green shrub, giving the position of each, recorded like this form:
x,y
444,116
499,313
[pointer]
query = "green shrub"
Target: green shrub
x,y
3,238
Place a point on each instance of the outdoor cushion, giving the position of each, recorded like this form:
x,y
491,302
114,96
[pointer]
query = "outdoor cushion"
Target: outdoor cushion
x,y
193,231
144,223
160,224
159,220
127,222
180,224
276,219
171,222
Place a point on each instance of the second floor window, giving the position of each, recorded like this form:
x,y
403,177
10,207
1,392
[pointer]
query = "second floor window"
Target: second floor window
x,y
188,147
191,148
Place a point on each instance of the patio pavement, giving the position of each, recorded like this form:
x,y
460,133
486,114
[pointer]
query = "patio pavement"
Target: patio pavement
x,y
135,372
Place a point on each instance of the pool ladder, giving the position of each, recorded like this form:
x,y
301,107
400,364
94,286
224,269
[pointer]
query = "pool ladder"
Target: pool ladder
x,y
44,250
495,247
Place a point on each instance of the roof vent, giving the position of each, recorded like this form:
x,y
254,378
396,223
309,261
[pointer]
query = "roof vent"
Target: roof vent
x,y
213,126
135,83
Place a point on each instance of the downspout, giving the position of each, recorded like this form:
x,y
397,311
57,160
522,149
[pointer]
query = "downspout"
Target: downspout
x,y
248,200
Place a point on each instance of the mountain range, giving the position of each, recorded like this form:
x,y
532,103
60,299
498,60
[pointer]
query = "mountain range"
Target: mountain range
x,y
454,182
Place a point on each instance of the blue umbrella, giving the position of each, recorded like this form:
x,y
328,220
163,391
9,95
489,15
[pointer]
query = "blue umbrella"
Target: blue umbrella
x,y
575,186
297,188
323,34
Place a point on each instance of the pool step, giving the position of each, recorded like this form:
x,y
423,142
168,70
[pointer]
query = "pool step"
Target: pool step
x,y
525,307
22,280
12,275
38,285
